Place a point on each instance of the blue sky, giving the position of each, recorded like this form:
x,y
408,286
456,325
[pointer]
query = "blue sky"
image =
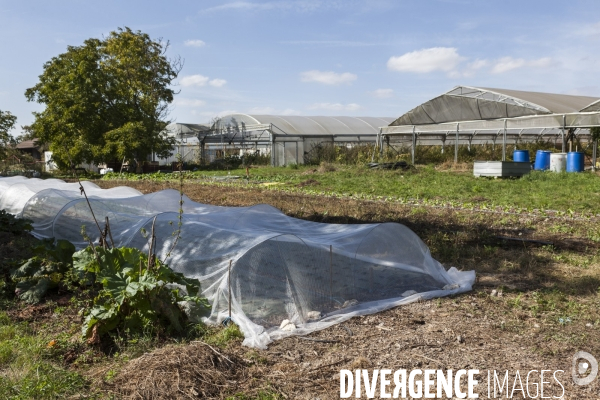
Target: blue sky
x,y
312,57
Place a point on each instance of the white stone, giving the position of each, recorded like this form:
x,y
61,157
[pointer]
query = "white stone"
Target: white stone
x,y
284,323
289,327
313,315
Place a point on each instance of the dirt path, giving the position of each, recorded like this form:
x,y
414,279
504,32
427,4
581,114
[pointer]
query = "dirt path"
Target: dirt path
x,y
534,306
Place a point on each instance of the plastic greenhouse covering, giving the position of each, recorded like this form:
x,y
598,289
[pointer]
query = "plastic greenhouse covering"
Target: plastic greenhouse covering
x,y
311,274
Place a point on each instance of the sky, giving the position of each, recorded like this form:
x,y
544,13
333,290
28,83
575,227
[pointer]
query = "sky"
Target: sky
x,y
376,58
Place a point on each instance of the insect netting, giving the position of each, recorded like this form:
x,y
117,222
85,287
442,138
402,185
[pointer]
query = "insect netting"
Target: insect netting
x,y
311,274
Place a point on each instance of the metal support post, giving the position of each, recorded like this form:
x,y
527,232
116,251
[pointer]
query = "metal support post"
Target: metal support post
x,y
376,145
594,152
504,142
412,147
272,148
456,145
562,133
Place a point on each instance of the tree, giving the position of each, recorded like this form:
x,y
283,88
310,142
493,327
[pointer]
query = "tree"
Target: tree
x,y
107,100
7,122
27,133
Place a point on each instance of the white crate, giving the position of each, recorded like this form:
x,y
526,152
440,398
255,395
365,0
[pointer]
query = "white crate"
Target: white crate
x,y
501,168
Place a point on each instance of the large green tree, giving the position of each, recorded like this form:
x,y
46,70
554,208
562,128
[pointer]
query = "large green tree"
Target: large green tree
x,y
107,99
7,122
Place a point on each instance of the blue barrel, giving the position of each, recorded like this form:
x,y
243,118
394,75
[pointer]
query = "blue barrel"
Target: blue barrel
x,y
521,156
542,160
575,161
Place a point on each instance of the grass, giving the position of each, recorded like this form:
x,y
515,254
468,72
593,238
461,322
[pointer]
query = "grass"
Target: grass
x,y
29,362
33,355
222,337
550,293
563,192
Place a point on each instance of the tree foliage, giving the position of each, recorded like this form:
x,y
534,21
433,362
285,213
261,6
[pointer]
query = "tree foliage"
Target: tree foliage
x,y
7,122
107,99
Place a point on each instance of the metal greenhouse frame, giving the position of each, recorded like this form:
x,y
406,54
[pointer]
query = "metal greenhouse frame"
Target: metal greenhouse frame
x,y
289,139
470,115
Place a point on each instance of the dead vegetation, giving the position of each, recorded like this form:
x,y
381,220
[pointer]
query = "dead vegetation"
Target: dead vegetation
x,y
536,301
197,370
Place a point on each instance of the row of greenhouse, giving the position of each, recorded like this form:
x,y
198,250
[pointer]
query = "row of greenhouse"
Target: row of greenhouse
x,y
462,116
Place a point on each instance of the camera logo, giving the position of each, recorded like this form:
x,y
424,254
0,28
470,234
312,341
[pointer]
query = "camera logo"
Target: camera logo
x,y
584,369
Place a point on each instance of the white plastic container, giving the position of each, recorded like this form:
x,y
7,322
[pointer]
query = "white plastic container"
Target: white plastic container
x,y
558,162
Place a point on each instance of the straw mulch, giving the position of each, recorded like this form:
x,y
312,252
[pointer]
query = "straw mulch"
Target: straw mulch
x,y
195,371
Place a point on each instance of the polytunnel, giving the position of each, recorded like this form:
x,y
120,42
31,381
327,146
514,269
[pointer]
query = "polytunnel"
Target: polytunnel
x,y
312,274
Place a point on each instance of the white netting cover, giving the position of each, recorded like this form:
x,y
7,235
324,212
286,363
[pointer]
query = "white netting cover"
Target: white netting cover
x,y
310,273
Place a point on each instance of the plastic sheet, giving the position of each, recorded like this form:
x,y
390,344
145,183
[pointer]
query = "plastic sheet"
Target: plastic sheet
x,y
311,274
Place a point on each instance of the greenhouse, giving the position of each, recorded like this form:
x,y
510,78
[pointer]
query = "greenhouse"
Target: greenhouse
x,y
276,275
471,115
287,139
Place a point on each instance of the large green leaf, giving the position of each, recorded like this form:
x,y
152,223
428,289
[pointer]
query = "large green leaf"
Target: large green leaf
x,y
85,261
30,267
33,292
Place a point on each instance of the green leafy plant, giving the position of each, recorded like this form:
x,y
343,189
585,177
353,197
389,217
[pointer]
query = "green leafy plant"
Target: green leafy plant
x,y
11,224
135,294
46,270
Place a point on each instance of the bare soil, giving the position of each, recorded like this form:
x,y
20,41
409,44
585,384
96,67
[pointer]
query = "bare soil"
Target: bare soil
x,y
535,303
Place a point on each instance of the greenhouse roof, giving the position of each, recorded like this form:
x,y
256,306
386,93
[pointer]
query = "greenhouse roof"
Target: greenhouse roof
x,y
296,125
186,130
465,103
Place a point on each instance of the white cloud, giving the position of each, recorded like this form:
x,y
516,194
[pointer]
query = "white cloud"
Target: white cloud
x,y
290,111
588,30
226,112
201,80
335,106
382,93
194,43
300,6
327,77
217,82
194,80
506,64
470,69
334,43
544,62
241,5
478,64
426,60
189,102
262,110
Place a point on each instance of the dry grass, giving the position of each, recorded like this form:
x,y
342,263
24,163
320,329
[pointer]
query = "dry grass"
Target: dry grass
x,y
326,167
451,166
180,372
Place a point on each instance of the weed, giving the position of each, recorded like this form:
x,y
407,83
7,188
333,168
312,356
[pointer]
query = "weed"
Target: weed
x,y
224,336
